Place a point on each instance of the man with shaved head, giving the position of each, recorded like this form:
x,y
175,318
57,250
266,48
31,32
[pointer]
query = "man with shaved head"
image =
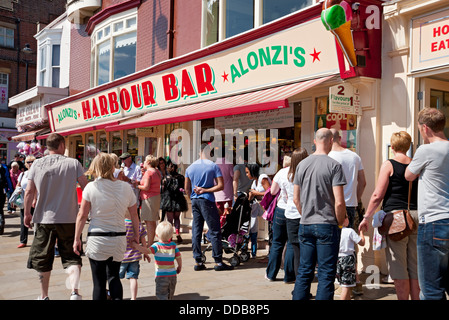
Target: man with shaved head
x,y
319,197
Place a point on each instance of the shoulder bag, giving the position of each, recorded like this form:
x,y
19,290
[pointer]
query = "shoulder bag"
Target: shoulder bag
x,y
398,224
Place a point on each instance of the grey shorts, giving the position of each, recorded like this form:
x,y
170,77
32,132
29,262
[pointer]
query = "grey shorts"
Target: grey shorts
x,y
165,287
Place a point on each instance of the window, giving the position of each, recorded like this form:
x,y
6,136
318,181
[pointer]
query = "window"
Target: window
x,y
55,68
114,49
274,9
239,16
440,100
243,15
6,37
43,65
49,65
3,91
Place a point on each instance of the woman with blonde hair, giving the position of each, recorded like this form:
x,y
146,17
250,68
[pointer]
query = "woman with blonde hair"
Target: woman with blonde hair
x,y
392,191
107,200
150,194
22,183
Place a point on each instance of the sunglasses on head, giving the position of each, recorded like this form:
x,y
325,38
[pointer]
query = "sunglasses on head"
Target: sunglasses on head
x,y
30,162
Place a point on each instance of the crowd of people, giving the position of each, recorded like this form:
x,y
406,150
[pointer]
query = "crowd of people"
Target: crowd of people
x,y
317,219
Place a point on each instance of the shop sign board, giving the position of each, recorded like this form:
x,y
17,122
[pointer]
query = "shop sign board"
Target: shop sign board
x,y
291,55
28,114
430,41
344,98
267,119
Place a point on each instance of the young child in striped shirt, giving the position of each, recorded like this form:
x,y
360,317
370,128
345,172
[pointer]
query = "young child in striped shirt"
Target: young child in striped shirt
x,y
130,265
165,253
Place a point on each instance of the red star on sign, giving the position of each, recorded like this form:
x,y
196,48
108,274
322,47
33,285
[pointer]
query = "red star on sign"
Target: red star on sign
x,y
315,55
225,76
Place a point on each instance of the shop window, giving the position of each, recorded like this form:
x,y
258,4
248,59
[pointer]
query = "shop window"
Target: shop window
x,y
168,145
114,48
6,37
117,143
103,144
79,150
4,153
440,100
346,123
91,150
3,91
243,15
132,142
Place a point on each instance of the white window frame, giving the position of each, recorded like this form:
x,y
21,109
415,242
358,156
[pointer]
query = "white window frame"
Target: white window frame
x,y
45,61
258,19
105,31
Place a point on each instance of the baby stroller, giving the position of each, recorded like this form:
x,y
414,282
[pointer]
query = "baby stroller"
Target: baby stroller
x,y
235,232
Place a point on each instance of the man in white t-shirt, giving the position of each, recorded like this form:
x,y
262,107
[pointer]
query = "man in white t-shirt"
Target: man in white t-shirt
x,y
354,174
52,181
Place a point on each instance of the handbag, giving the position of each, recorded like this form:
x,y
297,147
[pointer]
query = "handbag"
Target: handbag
x,y
399,224
16,198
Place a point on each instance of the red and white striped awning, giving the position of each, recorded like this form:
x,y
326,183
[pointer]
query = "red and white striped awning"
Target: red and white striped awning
x,y
273,98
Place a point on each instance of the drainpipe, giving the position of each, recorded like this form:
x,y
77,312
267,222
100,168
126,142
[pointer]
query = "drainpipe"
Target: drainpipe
x,y
171,31
18,55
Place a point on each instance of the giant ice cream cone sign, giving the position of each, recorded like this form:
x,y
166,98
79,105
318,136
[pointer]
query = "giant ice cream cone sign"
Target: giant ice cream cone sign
x,y
336,17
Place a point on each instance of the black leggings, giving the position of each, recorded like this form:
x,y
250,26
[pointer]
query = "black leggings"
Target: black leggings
x,y
103,271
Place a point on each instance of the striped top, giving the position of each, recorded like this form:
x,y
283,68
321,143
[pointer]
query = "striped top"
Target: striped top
x,y
165,254
131,254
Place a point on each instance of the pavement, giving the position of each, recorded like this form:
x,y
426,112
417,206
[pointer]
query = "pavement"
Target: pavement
x,y
245,282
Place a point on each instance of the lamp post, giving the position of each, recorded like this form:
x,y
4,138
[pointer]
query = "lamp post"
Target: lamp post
x,y
27,50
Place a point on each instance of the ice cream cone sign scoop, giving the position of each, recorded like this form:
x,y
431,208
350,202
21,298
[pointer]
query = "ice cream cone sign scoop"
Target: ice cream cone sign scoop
x,y
336,17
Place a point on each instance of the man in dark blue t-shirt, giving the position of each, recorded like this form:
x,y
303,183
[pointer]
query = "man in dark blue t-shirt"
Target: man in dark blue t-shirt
x,y
203,178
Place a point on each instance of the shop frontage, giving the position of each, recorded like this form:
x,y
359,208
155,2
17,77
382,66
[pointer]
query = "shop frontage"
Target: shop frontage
x,y
269,88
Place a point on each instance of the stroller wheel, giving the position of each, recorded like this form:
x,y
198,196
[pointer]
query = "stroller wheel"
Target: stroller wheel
x,y
203,258
244,256
235,260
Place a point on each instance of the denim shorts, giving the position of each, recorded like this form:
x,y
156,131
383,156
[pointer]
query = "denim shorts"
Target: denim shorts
x,y
131,269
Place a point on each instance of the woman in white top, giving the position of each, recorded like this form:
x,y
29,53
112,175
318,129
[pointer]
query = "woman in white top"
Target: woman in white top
x,y
22,182
261,183
287,220
107,200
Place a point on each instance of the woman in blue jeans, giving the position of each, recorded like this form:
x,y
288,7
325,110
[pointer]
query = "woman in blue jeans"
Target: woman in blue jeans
x,y
280,230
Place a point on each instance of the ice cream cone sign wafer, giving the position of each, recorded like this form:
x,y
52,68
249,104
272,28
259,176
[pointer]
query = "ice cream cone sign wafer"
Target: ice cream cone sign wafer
x,y
337,21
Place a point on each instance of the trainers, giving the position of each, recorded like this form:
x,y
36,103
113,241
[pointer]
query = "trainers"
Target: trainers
x,y
75,296
199,267
223,267
268,279
40,298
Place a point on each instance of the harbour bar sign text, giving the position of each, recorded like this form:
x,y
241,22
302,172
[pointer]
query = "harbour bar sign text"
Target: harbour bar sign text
x,y
285,57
